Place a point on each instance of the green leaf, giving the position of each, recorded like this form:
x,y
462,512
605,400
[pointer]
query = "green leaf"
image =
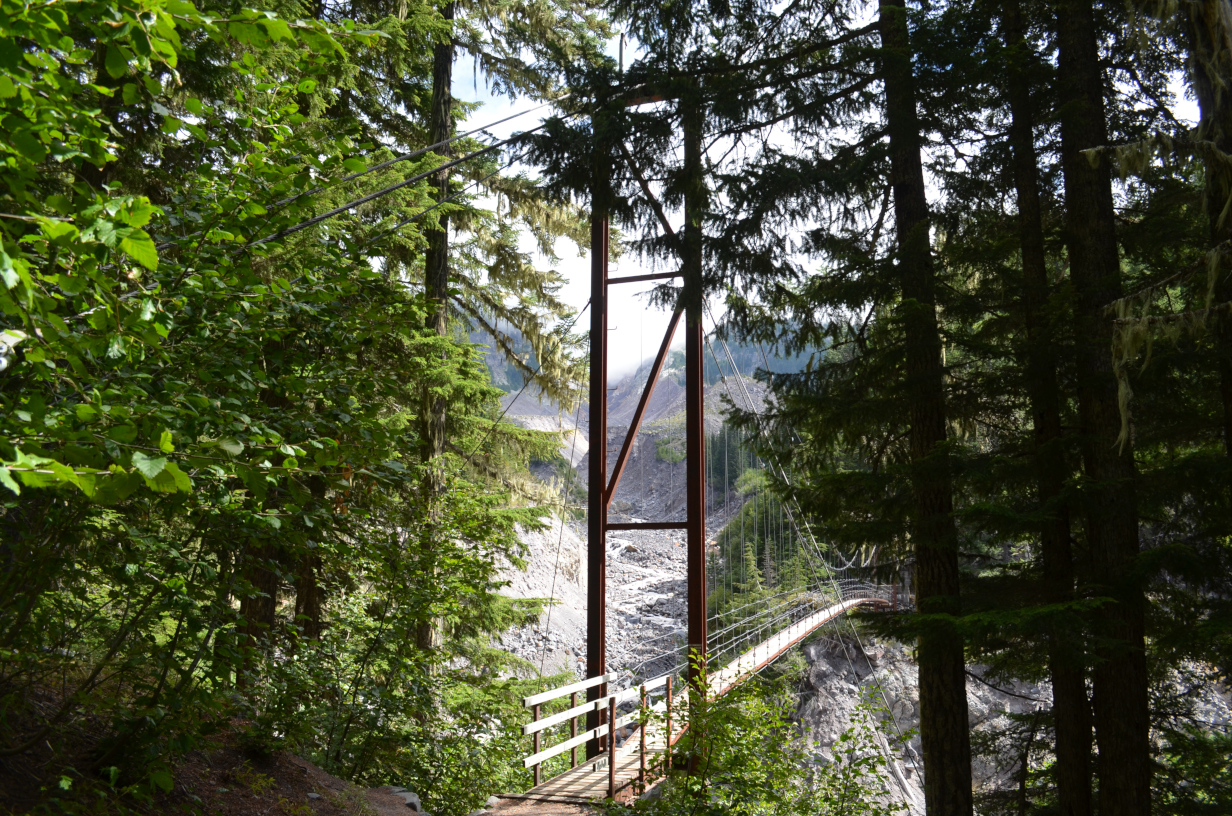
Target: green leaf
x,y
7,272
277,29
354,165
7,89
28,145
66,782
164,482
117,487
141,249
148,466
6,479
55,230
71,284
161,779
124,434
129,93
64,473
165,444
231,446
33,479
85,412
182,482
308,86
246,33
115,62
86,482
136,212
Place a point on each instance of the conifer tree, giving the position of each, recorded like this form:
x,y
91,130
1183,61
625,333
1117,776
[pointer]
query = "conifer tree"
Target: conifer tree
x,y
943,686
1110,507
1065,651
1210,69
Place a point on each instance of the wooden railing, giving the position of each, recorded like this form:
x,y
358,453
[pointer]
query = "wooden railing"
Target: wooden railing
x,y
608,729
718,682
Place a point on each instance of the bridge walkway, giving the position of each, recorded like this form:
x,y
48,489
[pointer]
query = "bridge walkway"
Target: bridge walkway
x,y
592,780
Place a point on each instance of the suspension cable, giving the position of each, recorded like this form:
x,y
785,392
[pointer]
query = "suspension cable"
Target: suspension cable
x,y
414,154
447,200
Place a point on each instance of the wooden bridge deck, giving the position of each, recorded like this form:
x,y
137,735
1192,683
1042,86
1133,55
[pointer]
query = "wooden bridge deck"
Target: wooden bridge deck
x,y
588,782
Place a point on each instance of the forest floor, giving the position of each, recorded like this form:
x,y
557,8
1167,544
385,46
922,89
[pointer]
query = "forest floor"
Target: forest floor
x,y
222,780
228,782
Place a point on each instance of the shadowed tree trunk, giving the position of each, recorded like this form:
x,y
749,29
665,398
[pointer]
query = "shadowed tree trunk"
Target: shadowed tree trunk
x,y
308,597
259,604
1119,676
1070,707
1210,61
943,685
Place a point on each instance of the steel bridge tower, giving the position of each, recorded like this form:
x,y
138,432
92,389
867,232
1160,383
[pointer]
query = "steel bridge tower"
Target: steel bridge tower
x,y
602,484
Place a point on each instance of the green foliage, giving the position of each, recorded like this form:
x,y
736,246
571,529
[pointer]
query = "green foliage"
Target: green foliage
x,y
750,759
669,449
211,511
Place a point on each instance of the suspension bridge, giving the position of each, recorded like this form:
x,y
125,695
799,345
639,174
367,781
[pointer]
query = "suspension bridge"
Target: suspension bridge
x,y
630,721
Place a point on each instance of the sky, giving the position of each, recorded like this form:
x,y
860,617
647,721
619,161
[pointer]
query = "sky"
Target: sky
x,y
635,328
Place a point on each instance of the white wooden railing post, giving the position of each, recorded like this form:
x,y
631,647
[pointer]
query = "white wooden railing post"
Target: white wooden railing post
x,y
667,736
573,730
611,747
535,718
641,773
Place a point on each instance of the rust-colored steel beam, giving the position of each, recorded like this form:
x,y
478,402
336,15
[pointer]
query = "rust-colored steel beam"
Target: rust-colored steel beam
x,y
648,525
596,528
639,278
647,392
691,256
695,500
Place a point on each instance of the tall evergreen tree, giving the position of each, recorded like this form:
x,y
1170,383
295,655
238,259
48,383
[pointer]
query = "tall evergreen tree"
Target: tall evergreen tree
x,y
1119,681
1071,707
943,684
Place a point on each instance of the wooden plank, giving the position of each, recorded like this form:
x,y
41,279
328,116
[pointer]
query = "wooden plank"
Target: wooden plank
x,y
647,525
588,782
592,705
599,731
564,716
580,685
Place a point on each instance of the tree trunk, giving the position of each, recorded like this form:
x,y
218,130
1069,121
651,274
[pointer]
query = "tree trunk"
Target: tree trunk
x,y
1070,707
259,604
943,684
308,597
1119,677
436,285
436,260
1211,69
